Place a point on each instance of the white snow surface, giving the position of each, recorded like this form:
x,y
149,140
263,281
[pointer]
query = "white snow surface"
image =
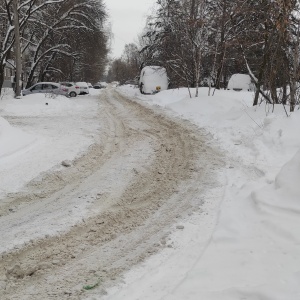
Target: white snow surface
x,y
245,244
24,154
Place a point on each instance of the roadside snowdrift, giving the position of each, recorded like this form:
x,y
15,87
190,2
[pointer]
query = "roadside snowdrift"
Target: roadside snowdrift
x,y
62,132
12,139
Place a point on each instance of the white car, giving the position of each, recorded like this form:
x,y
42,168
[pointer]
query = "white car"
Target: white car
x,y
239,82
84,88
103,84
46,88
153,79
73,89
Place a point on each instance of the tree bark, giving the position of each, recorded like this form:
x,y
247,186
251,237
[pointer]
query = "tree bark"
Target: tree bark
x,y
17,50
1,77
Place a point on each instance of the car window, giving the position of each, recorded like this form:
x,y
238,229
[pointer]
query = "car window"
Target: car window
x,y
47,86
37,87
54,87
68,84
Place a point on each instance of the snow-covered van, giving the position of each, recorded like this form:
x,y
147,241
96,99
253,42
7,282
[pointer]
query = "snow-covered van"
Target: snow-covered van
x,y
153,79
240,82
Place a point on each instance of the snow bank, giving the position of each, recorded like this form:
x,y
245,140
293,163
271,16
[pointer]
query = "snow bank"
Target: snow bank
x,y
44,105
62,129
12,139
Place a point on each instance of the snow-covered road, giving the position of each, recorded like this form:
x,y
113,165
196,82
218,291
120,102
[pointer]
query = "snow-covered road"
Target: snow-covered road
x,y
148,194
138,173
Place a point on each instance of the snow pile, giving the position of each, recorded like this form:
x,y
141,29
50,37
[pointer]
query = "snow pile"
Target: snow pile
x,y
62,131
253,248
44,105
12,139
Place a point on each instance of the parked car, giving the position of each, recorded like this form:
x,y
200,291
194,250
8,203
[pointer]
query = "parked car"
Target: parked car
x,y
84,88
115,83
100,85
153,79
97,86
73,89
89,85
46,87
239,82
103,84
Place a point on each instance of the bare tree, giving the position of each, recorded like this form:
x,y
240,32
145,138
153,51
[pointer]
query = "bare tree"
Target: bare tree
x,y
71,20
48,33
196,39
26,9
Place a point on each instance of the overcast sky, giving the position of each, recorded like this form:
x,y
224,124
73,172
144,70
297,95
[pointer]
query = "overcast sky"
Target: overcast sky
x,y
127,19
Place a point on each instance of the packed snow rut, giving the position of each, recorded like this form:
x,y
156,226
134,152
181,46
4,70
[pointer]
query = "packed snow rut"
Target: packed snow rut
x,y
143,173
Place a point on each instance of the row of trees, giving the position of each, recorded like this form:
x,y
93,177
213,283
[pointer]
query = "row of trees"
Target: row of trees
x,y
127,67
204,42
60,39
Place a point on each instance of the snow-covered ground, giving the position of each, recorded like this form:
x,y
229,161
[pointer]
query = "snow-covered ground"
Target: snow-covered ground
x,y
254,249
26,153
254,252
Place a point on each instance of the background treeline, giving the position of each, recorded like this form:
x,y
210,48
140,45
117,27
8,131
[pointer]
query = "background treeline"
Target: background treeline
x,y
204,42
60,39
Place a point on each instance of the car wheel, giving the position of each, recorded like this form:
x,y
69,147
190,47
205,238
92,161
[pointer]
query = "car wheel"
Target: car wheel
x,y
73,94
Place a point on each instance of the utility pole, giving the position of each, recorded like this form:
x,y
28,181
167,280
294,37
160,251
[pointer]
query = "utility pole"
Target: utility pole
x,y
17,51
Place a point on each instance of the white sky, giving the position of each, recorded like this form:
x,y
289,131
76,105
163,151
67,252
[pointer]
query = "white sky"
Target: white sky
x,y
128,19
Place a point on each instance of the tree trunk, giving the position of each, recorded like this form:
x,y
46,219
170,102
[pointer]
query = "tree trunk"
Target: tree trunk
x,y
17,50
258,84
273,91
30,79
1,77
292,95
197,71
221,56
284,95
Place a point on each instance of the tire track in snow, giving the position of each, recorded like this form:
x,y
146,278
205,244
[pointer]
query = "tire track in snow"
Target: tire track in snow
x,y
123,227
